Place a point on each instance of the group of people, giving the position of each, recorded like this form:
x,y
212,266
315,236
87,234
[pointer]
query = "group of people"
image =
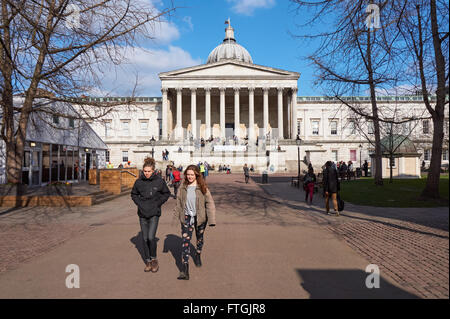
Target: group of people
x,y
165,155
346,170
225,168
194,209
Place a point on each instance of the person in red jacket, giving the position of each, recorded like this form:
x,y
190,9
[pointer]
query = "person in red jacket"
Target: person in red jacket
x,y
176,181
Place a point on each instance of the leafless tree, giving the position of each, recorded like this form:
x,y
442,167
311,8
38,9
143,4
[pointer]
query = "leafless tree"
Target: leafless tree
x,y
56,49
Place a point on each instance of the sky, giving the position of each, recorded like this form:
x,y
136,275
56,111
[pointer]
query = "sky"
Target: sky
x,y
188,35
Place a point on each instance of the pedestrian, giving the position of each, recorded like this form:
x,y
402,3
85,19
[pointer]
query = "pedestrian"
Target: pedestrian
x,y
163,155
308,184
365,168
331,187
176,182
206,170
246,173
350,170
195,209
149,193
167,154
202,169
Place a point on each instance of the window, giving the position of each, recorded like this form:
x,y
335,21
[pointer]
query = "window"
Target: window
x,y
143,127
125,128
353,155
124,156
299,125
71,123
333,125
426,127
352,126
315,127
371,129
334,155
427,155
107,156
391,162
55,119
108,128
445,155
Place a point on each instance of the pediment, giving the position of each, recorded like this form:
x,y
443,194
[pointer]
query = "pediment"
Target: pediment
x,y
228,69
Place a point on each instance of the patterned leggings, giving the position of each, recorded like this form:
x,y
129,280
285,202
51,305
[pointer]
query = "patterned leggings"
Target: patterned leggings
x,y
186,233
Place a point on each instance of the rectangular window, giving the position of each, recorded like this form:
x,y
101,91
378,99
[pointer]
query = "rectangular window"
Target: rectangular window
x,y
426,127
353,155
315,127
352,126
334,156
445,155
143,124
427,155
124,156
299,126
107,156
333,125
371,129
108,128
71,123
55,119
125,128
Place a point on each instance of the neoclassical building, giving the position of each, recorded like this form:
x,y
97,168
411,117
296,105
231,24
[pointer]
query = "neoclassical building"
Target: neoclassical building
x,y
230,96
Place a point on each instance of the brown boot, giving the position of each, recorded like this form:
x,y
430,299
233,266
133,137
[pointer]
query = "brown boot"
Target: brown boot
x,y
154,265
148,267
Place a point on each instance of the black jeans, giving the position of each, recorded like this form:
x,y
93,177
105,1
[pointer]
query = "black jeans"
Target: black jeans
x,y
148,228
176,185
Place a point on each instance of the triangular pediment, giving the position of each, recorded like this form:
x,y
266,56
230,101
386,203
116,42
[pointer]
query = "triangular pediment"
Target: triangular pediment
x,y
228,69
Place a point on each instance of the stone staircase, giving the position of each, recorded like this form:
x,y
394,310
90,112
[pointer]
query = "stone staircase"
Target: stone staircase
x,y
104,196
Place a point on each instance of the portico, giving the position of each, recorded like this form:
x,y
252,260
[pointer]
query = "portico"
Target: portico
x,y
228,96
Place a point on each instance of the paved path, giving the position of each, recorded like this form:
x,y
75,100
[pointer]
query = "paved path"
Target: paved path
x,y
262,247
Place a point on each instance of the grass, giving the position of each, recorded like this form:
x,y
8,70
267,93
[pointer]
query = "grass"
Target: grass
x,y
401,193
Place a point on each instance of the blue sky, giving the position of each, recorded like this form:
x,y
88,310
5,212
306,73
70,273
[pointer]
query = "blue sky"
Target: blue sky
x,y
263,27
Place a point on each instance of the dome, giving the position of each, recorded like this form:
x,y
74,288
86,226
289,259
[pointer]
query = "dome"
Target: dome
x,y
406,145
229,49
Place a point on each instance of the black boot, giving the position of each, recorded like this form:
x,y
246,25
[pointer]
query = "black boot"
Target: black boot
x,y
184,274
197,259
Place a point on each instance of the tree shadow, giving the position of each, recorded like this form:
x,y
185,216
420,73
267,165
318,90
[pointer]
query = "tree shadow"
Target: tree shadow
x,y
138,242
347,284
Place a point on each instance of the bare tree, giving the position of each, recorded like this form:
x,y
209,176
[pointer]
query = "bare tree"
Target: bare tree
x,y
424,26
56,49
355,56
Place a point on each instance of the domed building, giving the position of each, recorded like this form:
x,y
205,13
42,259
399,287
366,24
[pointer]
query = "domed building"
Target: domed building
x,y
400,153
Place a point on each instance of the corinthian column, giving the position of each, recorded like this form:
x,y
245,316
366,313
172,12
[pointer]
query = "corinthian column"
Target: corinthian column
x,y
294,112
164,113
208,112
280,113
194,112
236,112
266,110
222,113
251,113
179,129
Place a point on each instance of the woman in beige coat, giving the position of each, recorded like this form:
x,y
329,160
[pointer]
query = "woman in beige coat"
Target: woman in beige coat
x,y
195,209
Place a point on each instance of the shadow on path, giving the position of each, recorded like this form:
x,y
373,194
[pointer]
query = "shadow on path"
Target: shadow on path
x,y
347,284
138,242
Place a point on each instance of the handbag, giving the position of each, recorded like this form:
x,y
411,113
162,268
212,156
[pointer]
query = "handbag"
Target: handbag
x,y
341,203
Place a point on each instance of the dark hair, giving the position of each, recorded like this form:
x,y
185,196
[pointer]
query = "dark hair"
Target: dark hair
x,y
149,162
200,181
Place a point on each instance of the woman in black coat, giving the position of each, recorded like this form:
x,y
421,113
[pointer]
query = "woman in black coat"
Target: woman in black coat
x,y
331,187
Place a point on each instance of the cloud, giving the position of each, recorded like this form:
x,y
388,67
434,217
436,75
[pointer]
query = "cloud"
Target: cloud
x,y
247,7
144,65
164,33
188,21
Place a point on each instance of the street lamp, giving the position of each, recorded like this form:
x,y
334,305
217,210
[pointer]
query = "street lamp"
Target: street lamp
x,y
298,141
152,143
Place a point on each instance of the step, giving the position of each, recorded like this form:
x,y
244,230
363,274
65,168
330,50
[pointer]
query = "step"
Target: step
x,y
111,197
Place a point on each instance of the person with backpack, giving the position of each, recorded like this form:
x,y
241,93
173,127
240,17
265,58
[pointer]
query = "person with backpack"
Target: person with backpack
x,y
149,193
331,187
176,182
308,184
195,209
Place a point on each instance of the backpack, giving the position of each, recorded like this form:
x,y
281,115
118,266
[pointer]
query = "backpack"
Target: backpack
x,y
341,203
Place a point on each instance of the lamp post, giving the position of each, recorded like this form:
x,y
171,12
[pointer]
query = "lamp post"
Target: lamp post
x,y
152,143
298,141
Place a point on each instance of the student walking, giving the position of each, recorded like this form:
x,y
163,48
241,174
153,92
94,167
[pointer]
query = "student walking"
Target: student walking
x,y
149,193
308,184
246,173
331,187
176,182
195,209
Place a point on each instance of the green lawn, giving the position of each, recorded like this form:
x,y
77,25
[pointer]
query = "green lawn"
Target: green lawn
x,y
401,193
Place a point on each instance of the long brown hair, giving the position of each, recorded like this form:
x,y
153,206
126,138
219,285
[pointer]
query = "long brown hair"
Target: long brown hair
x,y
198,176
